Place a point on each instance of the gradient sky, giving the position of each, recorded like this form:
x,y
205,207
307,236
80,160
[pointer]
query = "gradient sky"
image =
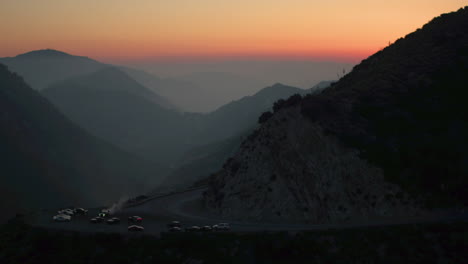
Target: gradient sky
x,y
132,30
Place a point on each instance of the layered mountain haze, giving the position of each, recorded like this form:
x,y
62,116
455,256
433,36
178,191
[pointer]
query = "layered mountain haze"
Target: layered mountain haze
x,y
218,82
216,88
109,79
127,106
146,115
386,140
187,96
48,161
112,106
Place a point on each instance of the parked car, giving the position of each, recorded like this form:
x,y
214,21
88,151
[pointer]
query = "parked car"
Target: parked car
x,y
66,212
135,219
103,215
175,229
192,229
222,226
97,219
113,221
174,224
62,218
135,228
80,211
206,228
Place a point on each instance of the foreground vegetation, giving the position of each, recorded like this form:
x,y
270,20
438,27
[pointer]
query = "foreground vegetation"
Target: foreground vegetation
x,y
429,243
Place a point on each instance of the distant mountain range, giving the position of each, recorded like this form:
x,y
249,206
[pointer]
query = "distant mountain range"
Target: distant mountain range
x,y
124,107
46,160
200,91
114,107
42,68
389,139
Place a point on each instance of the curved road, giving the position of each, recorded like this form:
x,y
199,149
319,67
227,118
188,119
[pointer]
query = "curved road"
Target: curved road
x,y
186,207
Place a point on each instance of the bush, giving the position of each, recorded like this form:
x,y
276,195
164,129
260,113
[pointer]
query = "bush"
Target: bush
x,y
264,117
291,101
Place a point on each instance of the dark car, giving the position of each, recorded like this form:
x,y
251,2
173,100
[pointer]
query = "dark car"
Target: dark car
x,y
97,219
135,219
113,221
206,228
174,224
135,228
80,211
192,229
175,229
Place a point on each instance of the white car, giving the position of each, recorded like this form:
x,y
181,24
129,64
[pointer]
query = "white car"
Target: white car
x,y
62,218
136,228
222,226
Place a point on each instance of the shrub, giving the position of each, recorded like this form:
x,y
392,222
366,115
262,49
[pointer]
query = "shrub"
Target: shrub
x,y
264,117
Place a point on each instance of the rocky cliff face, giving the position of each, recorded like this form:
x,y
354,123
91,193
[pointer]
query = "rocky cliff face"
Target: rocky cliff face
x,y
289,169
389,133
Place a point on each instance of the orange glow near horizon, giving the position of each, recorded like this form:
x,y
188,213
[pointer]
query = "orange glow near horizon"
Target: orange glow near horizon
x,y
141,30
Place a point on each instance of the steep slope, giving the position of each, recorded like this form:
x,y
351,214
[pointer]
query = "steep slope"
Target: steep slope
x,y
110,79
47,161
321,86
154,84
184,94
238,116
386,136
43,67
200,162
112,106
218,134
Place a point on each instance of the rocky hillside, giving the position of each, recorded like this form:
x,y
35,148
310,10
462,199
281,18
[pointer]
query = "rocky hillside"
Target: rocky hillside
x,y
388,134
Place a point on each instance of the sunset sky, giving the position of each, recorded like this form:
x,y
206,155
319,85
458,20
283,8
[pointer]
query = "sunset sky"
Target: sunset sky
x,y
136,30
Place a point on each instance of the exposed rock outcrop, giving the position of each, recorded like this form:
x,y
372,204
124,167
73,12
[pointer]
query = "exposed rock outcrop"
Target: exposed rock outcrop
x,y
289,169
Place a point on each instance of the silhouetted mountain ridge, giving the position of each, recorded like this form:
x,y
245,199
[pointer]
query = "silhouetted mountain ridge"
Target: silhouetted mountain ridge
x,y
44,53
385,137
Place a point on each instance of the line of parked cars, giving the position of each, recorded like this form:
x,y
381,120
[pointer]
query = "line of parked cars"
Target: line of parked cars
x,y
65,215
133,221
176,226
